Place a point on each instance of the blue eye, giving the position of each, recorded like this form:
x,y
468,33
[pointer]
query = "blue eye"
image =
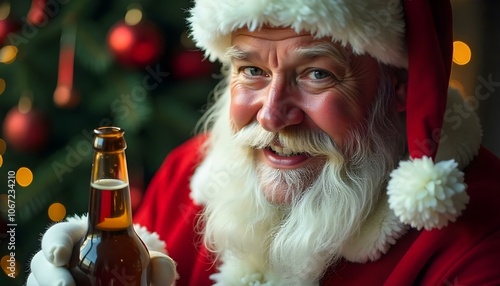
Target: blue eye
x,y
319,74
252,71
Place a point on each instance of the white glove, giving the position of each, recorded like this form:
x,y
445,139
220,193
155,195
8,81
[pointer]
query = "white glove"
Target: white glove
x,y
48,265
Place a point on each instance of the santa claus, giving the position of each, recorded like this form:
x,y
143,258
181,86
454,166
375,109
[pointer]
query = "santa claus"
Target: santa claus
x,y
325,158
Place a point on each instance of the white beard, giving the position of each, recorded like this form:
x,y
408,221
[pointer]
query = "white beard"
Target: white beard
x,y
260,243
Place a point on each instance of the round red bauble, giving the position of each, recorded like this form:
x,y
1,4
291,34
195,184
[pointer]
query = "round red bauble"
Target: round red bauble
x,y
188,64
25,131
135,45
36,15
7,26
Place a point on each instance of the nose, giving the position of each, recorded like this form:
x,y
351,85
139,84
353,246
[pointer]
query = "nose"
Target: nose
x,y
279,108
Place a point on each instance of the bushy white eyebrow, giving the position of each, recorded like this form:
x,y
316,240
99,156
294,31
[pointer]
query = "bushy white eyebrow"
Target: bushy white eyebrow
x,y
338,54
235,53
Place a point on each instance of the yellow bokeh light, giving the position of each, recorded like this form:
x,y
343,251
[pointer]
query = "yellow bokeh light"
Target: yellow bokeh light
x,y
461,53
57,212
10,265
3,146
8,54
1,160
24,176
133,16
24,104
4,199
4,10
2,85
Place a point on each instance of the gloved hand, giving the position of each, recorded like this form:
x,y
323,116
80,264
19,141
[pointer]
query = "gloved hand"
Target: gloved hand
x,y
48,265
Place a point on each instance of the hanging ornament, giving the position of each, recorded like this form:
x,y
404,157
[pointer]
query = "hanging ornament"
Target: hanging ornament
x,y
24,128
65,96
7,25
36,14
189,62
135,42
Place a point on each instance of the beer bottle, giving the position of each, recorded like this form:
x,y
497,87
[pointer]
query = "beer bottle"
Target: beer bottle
x,y
111,253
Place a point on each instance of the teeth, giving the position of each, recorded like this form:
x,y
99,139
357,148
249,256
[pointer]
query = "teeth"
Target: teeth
x,y
282,151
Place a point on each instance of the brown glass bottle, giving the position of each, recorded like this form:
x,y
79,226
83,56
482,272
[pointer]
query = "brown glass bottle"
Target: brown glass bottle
x,y
110,253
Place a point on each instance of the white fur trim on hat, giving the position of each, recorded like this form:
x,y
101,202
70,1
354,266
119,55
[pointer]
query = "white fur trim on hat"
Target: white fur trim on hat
x,y
375,27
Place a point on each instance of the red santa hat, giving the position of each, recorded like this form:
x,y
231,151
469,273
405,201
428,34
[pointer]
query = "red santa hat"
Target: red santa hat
x,y
416,35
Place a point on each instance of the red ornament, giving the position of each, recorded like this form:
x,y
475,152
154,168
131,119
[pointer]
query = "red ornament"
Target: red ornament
x,y
135,45
188,64
36,15
65,95
25,131
7,26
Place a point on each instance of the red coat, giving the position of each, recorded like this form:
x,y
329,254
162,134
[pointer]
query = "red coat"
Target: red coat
x,y
466,252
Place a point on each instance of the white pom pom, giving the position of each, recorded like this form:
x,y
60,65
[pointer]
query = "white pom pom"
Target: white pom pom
x,y
427,195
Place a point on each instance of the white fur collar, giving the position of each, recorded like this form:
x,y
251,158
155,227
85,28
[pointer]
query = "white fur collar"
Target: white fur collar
x,y
377,234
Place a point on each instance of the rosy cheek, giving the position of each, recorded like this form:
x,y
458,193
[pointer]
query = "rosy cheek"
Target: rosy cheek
x,y
235,113
335,117
242,109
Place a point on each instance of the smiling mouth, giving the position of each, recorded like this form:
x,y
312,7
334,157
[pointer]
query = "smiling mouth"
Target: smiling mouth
x,y
279,150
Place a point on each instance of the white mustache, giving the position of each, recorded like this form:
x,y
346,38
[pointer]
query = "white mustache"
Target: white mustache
x,y
313,142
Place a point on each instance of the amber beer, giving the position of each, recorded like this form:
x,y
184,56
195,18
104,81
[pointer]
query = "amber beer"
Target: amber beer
x,y
111,253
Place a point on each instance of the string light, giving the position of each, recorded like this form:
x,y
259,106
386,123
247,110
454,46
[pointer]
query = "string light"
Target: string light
x,y
461,53
2,85
3,146
24,177
8,54
133,16
8,264
25,103
56,212
4,10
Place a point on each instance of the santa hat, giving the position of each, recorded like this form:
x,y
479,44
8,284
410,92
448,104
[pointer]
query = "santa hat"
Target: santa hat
x,y
416,35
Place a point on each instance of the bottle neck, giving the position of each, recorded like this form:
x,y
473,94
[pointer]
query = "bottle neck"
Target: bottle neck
x,y
110,207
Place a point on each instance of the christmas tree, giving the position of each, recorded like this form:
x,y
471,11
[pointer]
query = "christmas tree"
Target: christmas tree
x,y
67,67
